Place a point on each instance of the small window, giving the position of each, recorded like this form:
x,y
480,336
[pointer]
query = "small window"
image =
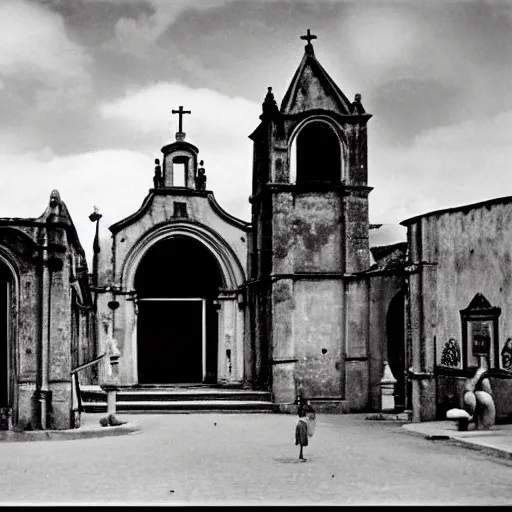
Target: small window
x,y
178,171
180,210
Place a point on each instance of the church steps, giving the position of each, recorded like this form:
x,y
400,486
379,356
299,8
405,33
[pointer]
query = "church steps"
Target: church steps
x,y
205,399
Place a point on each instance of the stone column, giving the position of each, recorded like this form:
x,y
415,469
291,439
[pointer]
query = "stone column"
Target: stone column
x,y
228,344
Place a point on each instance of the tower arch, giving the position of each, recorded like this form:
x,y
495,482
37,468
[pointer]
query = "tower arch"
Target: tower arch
x,y
317,152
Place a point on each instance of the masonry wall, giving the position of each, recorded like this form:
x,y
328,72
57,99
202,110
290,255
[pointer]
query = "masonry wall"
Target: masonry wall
x,y
460,253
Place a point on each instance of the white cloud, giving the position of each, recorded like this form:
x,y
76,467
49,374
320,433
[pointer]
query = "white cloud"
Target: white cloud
x,y
35,45
218,125
115,181
445,167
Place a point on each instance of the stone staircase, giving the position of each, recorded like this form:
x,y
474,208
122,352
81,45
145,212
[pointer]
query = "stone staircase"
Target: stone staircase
x,y
174,399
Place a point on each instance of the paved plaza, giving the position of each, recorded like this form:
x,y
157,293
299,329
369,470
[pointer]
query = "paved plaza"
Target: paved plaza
x,y
214,459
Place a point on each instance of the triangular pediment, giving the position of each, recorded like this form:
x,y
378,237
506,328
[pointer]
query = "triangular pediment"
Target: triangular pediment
x,y
313,89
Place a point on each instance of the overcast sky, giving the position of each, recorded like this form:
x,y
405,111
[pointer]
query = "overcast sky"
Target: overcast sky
x,y
87,88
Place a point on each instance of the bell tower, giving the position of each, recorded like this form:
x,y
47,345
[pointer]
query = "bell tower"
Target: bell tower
x,y
310,241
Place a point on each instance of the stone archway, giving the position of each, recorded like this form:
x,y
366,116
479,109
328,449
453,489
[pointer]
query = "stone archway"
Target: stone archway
x,y
207,302
177,283
395,329
8,394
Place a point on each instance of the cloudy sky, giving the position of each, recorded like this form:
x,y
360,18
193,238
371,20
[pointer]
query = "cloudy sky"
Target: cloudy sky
x,y
87,88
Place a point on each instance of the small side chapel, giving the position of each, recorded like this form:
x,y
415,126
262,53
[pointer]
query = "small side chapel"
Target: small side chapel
x,y
292,302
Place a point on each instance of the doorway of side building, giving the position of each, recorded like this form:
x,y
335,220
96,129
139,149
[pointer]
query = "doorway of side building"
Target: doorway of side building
x,y
396,346
6,284
177,283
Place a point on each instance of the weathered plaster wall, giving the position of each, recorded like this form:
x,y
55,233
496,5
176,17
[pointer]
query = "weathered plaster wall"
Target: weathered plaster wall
x,y
161,211
318,334
470,252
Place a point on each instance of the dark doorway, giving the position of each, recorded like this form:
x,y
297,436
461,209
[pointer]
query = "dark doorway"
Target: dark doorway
x,y
395,328
5,316
173,341
177,283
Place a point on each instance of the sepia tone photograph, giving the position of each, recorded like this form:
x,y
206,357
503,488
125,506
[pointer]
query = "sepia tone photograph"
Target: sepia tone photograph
x,y
255,252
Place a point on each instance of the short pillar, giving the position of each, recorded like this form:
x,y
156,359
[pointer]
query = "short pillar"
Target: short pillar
x,y
387,389
111,400
111,382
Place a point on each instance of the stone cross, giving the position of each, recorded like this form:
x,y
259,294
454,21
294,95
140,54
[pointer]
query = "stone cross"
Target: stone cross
x,y
308,37
181,112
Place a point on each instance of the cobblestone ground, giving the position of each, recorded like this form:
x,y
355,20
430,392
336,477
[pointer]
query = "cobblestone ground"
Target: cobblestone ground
x,y
213,459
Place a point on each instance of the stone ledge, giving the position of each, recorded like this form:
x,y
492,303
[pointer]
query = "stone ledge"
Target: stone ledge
x,y
385,416
67,435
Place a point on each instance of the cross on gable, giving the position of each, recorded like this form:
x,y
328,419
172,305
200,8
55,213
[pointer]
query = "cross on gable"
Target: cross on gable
x,y
308,37
181,112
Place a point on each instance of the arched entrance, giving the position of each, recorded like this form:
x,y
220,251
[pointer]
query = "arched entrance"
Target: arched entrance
x,y
396,346
6,346
177,282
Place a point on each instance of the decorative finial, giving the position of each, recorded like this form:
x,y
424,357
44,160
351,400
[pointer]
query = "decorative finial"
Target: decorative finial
x,y
201,177
269,105
309,37
95,215
357,106
157,177
180,135
54,198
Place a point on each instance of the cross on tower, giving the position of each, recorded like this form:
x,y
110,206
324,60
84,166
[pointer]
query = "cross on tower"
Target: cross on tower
x,y
308,37
180,112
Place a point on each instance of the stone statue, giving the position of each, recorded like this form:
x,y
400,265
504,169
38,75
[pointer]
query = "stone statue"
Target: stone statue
x,y
157,178
201,177
506,355
357,106
451,354
478,401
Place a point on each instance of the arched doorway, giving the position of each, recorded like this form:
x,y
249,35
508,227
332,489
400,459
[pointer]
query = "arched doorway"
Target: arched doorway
x,y
395,327
177,282
6,313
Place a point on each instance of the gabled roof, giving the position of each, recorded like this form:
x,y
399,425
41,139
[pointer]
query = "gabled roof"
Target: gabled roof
x,y
312,88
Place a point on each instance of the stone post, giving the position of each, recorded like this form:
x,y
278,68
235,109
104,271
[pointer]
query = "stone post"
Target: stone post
x,y
111,382
387,390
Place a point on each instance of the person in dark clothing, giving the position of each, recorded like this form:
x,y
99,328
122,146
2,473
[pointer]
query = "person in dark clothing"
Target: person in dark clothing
x,y
301,432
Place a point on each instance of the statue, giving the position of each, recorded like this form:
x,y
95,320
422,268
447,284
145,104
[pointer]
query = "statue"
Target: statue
x,y
357,106
451,354
269,105
201,177
157,178
506,355
477,402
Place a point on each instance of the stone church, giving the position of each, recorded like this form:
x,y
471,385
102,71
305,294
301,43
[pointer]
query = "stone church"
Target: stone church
x,y
295,302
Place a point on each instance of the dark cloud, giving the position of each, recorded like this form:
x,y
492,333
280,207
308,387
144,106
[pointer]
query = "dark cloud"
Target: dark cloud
x,y
407,107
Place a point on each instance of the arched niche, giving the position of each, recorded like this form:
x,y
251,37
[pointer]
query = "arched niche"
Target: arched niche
x,y
317,153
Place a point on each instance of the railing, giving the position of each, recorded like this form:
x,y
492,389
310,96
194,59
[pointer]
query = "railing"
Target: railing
x,y
76,399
